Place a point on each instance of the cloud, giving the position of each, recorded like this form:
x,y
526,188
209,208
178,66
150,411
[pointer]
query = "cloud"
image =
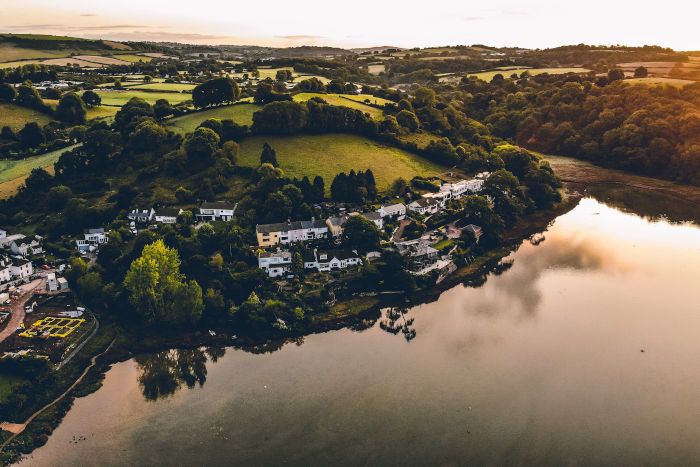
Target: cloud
x,y
473,18
88,14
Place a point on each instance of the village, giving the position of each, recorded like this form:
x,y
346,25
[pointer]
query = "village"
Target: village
x,y
323,249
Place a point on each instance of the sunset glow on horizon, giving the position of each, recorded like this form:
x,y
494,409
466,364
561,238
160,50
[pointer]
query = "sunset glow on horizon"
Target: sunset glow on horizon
x,y
537,24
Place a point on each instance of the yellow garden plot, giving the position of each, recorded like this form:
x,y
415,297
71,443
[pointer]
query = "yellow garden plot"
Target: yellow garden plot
x,y
53,327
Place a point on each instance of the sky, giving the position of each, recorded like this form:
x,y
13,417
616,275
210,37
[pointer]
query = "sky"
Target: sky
x,y
365,23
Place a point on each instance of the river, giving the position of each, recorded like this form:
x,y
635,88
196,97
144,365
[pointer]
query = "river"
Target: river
x,y
584,352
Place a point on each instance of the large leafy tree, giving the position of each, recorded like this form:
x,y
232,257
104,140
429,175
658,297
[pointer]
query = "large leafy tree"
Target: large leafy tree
x,y
215,91
71,109
157,288
362,233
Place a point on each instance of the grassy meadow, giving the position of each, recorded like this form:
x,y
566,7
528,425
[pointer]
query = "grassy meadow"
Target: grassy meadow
x,y
16,117
12,169
506,72
347,100
166,87
120,98
239,113
328,155
678,83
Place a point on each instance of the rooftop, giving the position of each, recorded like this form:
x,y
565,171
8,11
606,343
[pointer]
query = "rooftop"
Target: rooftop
x,y
218,205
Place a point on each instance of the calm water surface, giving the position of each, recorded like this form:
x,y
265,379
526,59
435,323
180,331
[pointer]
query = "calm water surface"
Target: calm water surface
x,y
542,365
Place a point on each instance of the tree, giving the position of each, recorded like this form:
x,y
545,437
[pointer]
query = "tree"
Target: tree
x,y
361,233
156,288
216,91
424,97
31,135
229,151
408,120
39,180
399,187
641,72
268,156
27,96
297,265
319,190
200,145
7,134
183,195
92,99
283,75
147,136
615,74
7,92
162,108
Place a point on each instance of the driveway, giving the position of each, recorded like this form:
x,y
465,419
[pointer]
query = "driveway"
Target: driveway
x,y
17,307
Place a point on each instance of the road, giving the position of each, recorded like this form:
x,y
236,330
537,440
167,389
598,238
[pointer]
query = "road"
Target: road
x,y
17,307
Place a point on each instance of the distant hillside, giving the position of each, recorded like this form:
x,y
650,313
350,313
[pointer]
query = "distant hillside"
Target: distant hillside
x,y
36,46
378,49
254,52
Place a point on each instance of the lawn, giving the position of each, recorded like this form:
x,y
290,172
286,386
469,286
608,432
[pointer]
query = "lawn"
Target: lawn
x,y
120,98
328,155
347,100
171,87
239,113
16,117
13,169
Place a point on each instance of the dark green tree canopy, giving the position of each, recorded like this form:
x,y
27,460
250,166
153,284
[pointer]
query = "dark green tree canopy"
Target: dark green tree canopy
x,y
216,91
71,109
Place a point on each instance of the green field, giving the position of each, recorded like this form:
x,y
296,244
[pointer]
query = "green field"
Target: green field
x,y
11,169
16,117
347,100
133,58
488,75
101,111
239,113
327,155
120,98
171,87
679,83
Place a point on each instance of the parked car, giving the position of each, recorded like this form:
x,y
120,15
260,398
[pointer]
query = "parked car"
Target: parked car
x,y
44,266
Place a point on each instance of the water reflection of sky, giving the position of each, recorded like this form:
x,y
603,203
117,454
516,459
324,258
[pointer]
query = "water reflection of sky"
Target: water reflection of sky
x,y
540,365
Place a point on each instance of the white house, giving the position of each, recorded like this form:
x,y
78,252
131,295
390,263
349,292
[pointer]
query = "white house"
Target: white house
x,y
62,283
92,240
7,240
424,206
216,211
375,217
26,247
21,268
290,232
51,283
5,274
392,210
141,216
276,263
167,215
3,233
337,259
